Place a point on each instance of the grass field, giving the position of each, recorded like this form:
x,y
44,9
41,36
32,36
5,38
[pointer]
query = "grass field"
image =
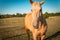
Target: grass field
x,y
12,28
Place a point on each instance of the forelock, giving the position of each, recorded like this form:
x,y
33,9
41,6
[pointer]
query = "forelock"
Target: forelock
x,y
35,3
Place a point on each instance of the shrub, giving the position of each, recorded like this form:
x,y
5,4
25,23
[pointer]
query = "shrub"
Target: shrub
x,y
46,15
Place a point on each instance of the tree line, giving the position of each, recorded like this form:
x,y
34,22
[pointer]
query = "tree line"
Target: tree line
x,y
12,15
46,15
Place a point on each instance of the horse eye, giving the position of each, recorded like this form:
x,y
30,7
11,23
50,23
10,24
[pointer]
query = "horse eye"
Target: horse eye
x,y
40,10
31,9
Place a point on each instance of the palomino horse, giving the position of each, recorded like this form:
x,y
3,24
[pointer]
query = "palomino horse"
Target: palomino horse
x,y
35,21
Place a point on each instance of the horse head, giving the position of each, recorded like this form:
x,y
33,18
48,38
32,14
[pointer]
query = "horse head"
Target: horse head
x,y
36,12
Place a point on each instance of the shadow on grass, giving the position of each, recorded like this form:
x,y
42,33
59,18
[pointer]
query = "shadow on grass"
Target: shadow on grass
x,y
48,38
12,37
53,36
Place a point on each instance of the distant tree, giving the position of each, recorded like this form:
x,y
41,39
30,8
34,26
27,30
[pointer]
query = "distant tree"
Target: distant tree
x,y
8,15
51,14
57,14
24,15
18,14
13,15
1,16
46,15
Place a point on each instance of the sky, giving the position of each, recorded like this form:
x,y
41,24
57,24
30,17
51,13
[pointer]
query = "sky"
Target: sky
x,y
24,6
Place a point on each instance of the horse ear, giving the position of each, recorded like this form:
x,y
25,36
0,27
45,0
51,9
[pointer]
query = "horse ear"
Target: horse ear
x,y
42,2
31,1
